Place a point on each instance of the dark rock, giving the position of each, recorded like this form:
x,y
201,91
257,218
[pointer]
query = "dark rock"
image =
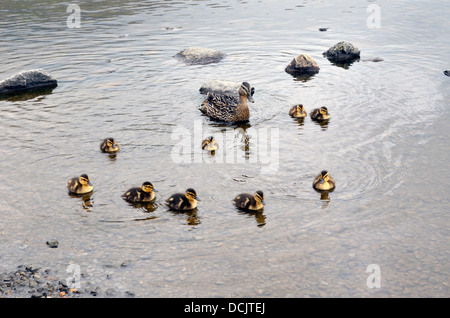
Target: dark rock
x,y
342,52
323,29
27,81
52,243
199,56
302,65
447,72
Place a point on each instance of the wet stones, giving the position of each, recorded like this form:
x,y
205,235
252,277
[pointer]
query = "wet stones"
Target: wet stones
x,y
52,243
221,87
27,81
303,64
342,52
199,56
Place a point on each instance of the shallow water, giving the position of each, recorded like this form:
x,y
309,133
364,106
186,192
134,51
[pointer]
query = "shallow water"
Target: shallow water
x,y
386,146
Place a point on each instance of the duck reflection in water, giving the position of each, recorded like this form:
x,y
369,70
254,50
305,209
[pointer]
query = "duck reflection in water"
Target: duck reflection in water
x,y
191,216
86,201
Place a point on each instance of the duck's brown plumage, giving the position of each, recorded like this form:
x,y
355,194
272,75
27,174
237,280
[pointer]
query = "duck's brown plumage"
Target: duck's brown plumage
x,y
183,201
109,145
229,108
323,182
252,202
80,185
144,194
320,114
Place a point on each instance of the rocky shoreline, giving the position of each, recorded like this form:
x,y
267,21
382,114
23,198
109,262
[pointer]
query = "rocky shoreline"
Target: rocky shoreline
x,y
37,282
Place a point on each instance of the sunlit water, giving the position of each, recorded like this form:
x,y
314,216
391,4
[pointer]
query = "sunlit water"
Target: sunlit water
x,y
386,146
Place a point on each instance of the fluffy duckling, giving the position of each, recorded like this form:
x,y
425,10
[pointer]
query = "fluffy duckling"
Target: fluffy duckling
x,y
210,144
297,111
109,145
250,202
320,114
183,202
229,108
80,185
323,182
144,194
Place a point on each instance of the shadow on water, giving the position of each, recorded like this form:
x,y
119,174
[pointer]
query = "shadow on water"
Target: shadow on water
x,y
258,215
86,201
190,216
26,95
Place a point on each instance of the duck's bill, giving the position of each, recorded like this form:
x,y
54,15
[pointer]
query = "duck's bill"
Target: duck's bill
x,y
90,183
263,202
250,98
197,198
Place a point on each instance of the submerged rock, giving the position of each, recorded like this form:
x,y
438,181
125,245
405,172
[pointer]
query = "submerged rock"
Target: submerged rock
x,y
342,52
323,29
447,72
198,55
302,65
27,81
374,59
221,87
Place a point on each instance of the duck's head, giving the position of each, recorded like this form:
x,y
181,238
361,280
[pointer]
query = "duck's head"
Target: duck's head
x,y
324,176
247,90
148,187
210,139
323,111
84,180
111,142
259,197
191,194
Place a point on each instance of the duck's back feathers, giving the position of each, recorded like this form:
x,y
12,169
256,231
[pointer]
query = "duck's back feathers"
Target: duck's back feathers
x,y
137,195
179,202
243,201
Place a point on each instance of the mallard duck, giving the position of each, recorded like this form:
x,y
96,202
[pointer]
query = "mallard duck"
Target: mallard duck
x,y
80,185
297,111
320,114
146,193
183,202
250,202
229,108
109,145
323,182
210,144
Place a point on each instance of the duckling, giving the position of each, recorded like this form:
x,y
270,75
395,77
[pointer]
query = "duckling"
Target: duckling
x,y
227,107
323,182
320,114
250,202
80,185
297,111
210,144
109,145
146,193
183,202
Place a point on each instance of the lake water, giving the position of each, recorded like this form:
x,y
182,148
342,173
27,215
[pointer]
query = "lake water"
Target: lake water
x,y
386,145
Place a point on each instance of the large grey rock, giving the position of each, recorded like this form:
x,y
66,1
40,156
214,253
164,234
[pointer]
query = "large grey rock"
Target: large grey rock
x,y
302,65
26,81
198,55
342,52
221,87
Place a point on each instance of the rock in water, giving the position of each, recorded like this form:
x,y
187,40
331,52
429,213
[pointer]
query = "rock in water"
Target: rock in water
x,y
221,87
447,72
27,81
342,52
200,56
302,65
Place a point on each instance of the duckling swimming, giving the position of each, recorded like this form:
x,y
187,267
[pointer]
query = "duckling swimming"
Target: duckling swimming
x,y
146,193
183,202
109,145
297,111
323,182
320,114
80,185
250,202
229,108
210,144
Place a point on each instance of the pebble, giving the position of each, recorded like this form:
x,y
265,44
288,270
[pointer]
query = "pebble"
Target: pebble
x,y
52,243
